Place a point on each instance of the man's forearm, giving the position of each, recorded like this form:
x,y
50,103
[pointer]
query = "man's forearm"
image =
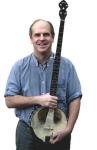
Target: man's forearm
x,y
20,101
74,108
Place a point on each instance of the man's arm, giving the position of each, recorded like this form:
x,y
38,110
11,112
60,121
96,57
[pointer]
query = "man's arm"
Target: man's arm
x,y
74,108
19,101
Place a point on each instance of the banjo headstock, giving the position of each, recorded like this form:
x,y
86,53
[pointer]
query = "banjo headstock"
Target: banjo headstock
x,y
63,6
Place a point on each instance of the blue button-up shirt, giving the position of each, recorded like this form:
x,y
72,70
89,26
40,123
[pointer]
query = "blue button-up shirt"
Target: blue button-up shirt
x,y
29,78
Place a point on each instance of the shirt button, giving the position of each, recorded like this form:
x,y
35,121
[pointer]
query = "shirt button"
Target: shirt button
x,y
43,82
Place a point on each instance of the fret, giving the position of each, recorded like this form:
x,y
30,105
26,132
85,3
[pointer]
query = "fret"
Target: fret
x,y
61,33
55,72
57,57
61,27
60,39
53,92
55,75
58,54
54,81
56,63
59,44
54,86
59,47
53,89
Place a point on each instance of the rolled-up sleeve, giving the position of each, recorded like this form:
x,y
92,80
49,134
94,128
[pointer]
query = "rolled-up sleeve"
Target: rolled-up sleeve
x,y
13,86
73,85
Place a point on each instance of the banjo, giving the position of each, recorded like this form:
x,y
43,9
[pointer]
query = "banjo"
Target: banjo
x,y
46,121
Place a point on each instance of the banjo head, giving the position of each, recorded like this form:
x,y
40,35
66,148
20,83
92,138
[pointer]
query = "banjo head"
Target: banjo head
x,y
47,127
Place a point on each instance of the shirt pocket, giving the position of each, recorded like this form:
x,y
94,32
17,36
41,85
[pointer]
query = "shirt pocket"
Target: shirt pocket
x,y
61,90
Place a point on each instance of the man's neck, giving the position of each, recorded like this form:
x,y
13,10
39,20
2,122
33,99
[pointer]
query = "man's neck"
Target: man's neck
x,y
42,57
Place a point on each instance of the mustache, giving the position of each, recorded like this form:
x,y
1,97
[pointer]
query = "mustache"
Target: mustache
x,y
44,42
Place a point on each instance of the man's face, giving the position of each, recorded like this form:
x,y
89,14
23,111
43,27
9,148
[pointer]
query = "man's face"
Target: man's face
x,y
41,37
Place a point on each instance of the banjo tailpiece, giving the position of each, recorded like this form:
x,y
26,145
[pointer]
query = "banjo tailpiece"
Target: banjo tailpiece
x,y
46,121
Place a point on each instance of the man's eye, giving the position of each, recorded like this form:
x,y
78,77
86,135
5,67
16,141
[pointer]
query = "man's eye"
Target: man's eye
x,y
37,35
46,34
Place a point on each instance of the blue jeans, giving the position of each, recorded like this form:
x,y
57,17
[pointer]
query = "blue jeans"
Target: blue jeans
x,y
26,140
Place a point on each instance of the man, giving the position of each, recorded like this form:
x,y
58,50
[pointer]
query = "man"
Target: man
x,y
28,86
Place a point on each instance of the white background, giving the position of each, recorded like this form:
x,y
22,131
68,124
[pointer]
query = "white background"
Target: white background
x,y
79,45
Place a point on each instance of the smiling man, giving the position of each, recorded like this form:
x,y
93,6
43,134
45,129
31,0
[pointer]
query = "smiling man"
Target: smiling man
x,y
28,86
42,36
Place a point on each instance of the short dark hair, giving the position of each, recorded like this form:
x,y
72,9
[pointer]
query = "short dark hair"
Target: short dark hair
x,y
51,27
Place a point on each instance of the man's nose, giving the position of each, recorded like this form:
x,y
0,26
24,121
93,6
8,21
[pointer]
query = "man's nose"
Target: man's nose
x,y
42,37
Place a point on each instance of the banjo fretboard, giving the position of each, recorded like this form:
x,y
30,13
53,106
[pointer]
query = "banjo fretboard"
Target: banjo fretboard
x,y
56,65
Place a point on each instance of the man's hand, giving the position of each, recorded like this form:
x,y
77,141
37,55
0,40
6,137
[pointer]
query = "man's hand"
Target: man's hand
x,y
59,135
47,100
74,108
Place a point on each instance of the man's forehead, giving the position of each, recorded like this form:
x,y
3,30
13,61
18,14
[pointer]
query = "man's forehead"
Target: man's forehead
x,y
41,25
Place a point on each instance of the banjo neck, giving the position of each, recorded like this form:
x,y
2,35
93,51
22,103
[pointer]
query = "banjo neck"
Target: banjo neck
x,y
56,64
54,81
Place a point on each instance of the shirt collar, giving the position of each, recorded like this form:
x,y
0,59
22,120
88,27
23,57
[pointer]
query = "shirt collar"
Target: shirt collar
x,y
48,61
